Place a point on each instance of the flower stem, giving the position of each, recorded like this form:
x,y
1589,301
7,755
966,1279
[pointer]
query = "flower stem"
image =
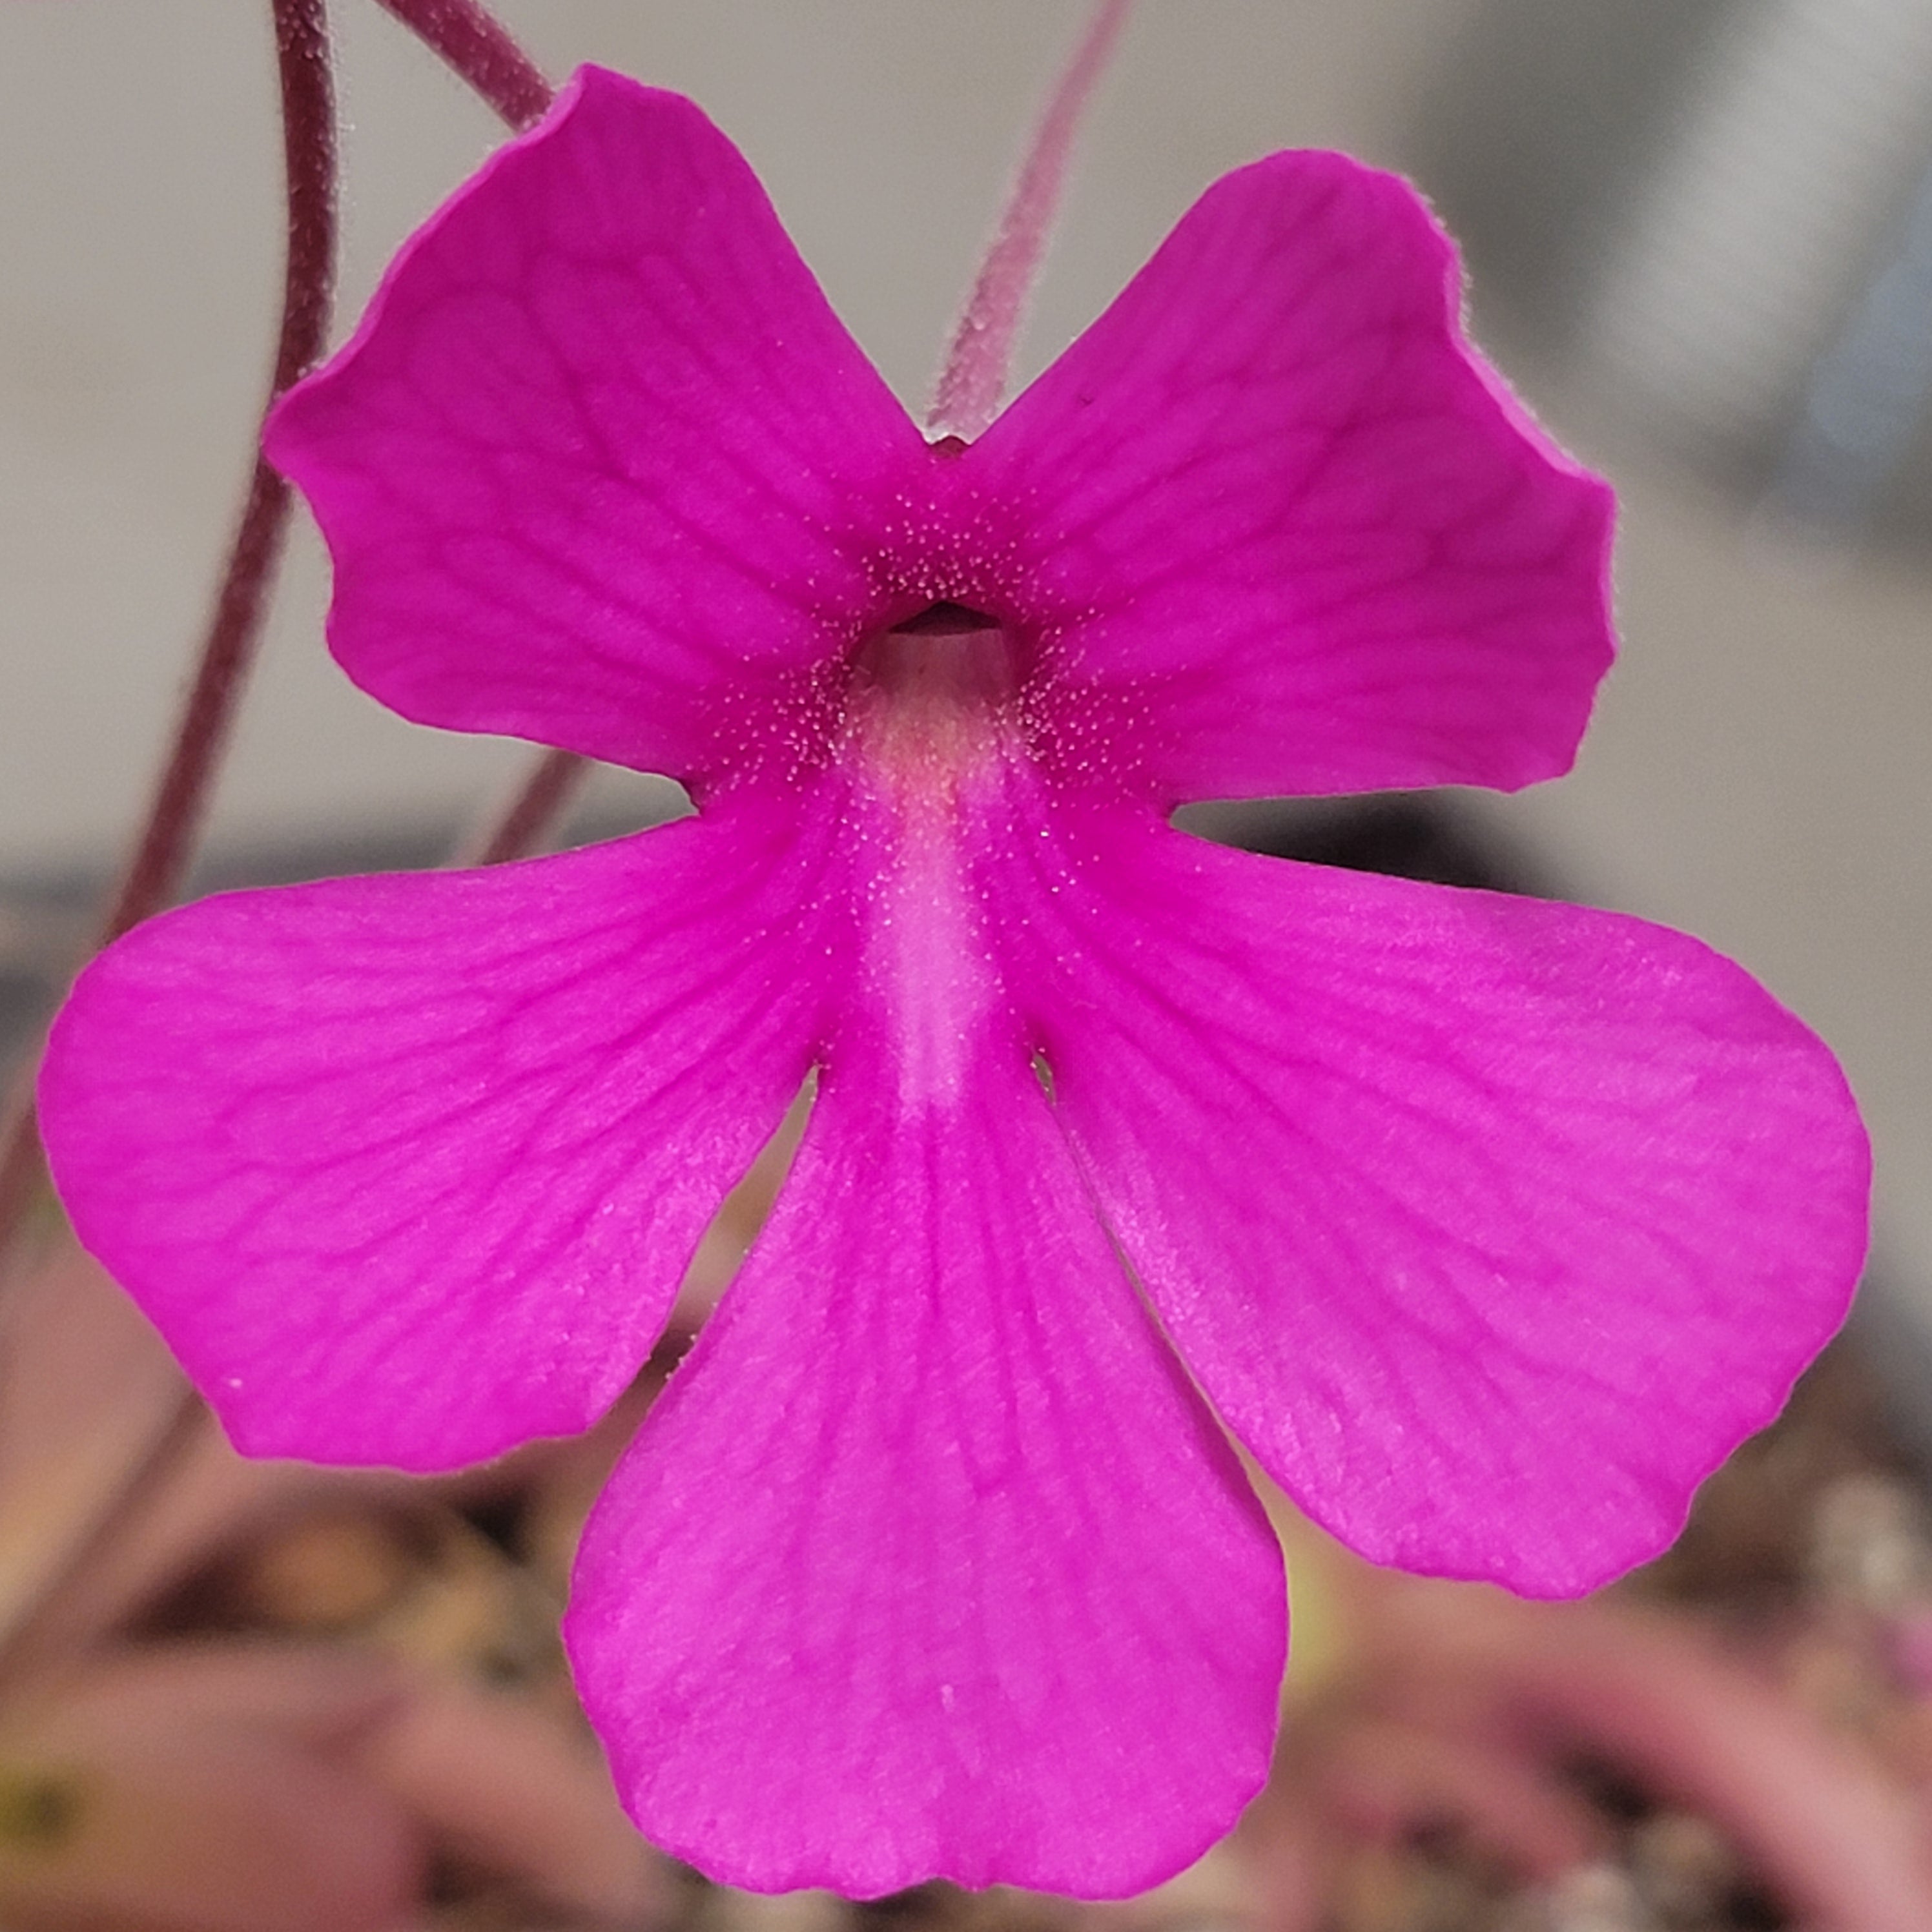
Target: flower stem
x,y
973,381
480,49
532,808
166,844
308,138
485,56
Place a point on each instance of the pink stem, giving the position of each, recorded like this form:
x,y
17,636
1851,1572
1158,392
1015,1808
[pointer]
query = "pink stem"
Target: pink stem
x,y
477,47
166,843
972,382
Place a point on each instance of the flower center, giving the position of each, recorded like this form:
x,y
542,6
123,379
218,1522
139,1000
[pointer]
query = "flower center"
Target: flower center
x,y
948,653
932,739
932,699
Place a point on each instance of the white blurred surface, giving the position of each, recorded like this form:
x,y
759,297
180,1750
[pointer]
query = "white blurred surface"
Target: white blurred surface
x,y
1759,768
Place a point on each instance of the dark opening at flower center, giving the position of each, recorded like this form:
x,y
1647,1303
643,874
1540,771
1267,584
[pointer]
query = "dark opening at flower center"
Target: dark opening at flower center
x,y
945,620
947,652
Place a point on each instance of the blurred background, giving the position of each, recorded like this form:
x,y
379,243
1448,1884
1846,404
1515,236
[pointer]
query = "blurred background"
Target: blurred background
x,y
1699,236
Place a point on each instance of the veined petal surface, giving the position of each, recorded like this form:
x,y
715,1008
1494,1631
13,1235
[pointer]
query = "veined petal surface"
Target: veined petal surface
x,y
1489,1226
407,1169
601,468
1287,530
929,1562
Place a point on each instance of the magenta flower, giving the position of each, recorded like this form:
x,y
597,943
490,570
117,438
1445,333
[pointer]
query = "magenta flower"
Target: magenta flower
x,y
1488,1227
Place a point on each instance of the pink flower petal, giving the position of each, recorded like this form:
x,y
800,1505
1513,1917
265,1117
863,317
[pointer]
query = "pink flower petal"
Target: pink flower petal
x,y
1298,536
407,1169
596,467
1489,1226
929,1563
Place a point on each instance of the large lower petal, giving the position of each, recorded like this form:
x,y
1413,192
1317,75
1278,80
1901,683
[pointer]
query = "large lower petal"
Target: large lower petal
x,y
593,469
407,1169
1490,1226
1286,530
929,1563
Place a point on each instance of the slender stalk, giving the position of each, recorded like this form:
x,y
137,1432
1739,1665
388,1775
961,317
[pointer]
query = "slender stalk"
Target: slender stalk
x,y
480,49
166,844
308,140
485,56
973,381
533,808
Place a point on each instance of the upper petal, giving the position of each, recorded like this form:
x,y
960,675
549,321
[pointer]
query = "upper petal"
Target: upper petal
x,y
929,1563
1288,530
408,1169
1490,1226
595,469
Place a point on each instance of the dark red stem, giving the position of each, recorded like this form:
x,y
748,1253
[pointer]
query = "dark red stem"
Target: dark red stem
x,y
308,141
533,809
479,49
160,859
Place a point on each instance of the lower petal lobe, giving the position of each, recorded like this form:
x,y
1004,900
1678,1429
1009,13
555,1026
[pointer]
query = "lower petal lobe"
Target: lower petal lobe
x,y
407,1169
1489,1226
929,1563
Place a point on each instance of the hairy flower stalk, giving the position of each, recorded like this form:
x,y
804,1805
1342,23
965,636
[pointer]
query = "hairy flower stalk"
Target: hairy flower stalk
x,y
1487,1226
165,846
482,52
973,381
478,47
